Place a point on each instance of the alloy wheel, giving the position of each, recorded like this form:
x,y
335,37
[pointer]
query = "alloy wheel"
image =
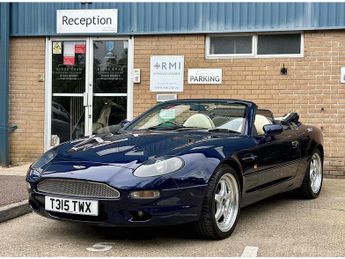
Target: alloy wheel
x,y
315,173
226,201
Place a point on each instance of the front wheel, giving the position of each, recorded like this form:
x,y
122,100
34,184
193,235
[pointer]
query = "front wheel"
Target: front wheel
x,y
221,205
312,182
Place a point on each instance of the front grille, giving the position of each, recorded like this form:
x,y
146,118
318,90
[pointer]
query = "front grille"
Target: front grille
x,y
78,188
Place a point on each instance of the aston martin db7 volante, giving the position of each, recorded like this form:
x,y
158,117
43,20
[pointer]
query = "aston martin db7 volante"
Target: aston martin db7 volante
x,y
184,161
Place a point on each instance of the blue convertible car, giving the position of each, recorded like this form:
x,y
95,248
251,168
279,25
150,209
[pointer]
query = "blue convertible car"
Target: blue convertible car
x,y
182,161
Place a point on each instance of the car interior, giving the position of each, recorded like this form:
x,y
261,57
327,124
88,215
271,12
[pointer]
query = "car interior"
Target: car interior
x,y
236,121
199,120
222,120
207,116
200,116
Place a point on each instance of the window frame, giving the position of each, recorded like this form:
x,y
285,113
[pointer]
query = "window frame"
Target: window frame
x,y
254,53
216,56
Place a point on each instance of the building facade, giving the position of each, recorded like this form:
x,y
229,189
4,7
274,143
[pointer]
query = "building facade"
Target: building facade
x,y
71,68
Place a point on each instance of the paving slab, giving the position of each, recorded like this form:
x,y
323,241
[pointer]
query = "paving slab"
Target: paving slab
x,y
15,170
13,197
12,189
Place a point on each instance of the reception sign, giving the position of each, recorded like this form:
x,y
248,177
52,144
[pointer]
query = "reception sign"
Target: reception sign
x,y
86,21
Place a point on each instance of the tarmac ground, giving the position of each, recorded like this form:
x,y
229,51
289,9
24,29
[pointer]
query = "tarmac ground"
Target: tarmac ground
x,y
279,226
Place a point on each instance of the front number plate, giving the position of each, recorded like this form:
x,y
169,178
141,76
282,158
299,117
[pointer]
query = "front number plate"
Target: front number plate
x,y
71,206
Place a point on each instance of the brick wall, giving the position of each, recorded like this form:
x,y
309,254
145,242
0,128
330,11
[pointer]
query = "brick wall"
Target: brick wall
x,y
26,99
312,83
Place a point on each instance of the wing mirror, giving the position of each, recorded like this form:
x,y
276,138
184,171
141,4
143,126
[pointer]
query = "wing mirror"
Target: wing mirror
x,y
272,129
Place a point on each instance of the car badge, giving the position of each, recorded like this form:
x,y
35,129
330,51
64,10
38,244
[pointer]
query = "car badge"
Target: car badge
x,y
79,167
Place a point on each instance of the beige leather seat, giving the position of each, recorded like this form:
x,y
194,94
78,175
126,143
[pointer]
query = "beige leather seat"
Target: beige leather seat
x,y
103,119
260,122
199,121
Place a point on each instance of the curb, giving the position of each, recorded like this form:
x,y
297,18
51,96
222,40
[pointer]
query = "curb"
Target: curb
x,y
14,210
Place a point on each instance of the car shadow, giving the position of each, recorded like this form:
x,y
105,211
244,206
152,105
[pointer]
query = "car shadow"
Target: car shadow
x,y
178,232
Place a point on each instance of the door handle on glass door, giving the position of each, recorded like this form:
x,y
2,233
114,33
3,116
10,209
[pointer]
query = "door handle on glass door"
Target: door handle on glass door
x,y
85,99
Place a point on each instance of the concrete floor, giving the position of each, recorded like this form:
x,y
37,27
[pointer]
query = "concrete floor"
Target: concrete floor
x,y
15,170
280,226
12,189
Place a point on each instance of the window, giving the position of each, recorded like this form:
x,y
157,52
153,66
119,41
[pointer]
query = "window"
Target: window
x,y
279,44
255,45
224,45
193,114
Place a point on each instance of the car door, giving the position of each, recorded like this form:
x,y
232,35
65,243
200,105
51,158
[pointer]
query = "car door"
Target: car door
x,y
277,158
274,166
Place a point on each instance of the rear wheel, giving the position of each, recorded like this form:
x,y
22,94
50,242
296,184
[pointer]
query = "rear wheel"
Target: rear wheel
x,y
221,205
312,182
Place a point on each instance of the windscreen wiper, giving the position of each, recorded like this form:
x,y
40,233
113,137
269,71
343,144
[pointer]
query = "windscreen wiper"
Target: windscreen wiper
x,y
164,127
173,125
89,143
223,130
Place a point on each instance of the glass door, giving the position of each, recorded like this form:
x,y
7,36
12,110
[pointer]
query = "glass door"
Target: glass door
x,y
68,90
89,87
109,83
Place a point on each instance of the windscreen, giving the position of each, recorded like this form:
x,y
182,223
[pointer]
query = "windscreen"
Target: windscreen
x,y
198,115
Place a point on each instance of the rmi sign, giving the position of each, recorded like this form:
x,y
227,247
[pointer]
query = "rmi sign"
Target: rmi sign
x,y
166,73
86,21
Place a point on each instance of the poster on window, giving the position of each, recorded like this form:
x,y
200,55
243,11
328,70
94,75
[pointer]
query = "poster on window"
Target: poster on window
x,y
57,48
69,53
68,66
80,48
166,73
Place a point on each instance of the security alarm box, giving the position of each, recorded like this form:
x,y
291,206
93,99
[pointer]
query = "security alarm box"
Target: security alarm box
x,y
136,75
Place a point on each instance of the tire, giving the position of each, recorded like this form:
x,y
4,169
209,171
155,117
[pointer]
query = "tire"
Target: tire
x,y
312,182
207,225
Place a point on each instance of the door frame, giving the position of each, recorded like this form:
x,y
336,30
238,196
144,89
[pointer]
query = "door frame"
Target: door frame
x,y
88,76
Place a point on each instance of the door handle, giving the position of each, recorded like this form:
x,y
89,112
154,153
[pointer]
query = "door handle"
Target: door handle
x,y
249,157
85,99
295,144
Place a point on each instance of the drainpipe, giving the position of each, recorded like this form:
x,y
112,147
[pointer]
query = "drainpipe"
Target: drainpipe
x,y
4,56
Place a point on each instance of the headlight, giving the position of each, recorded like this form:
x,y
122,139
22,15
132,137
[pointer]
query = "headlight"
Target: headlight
x,y
159,167
45,159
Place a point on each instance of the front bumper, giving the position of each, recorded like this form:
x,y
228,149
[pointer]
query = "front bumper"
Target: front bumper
x,y
174,206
